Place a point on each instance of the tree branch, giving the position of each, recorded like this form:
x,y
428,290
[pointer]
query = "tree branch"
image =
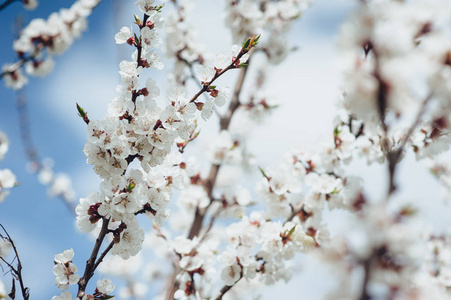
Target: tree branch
x,y
214,169
91,263
6,3
225,289
217,75
16,271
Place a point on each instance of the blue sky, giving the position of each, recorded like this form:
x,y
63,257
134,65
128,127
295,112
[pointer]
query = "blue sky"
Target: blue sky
x,y
306,83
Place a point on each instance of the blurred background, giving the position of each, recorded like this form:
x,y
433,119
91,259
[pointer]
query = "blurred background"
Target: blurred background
x,y
307,85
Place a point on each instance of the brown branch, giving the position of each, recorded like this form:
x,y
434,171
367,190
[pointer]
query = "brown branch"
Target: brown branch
x,y
104,253
214,169
17,272
235,103
209,183
8,2
225,289
91,263
393,156
367,270
219,74
138,59
295,211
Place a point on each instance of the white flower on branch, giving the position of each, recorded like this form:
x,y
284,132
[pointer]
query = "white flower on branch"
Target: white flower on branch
x,y
64,296
105,286
64,270
124,36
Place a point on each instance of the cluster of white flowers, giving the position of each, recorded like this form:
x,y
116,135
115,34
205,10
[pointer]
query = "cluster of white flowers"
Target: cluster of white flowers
x,y
195,259
396,75
103,289
7,178
136,128
64,270
59,184
257,246
382,241
42,39
270,18
182,46
30,4
388,246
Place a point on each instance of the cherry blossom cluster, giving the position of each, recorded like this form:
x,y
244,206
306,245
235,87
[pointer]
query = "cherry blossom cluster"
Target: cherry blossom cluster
x,y
30,4
387,245
399,78
437,263
258,247
182,47
42,39
271,18
7,178
132,150
59,184
136,128
64,270
103,290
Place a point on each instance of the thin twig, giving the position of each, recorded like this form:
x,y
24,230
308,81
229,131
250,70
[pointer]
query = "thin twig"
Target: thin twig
x,y
196,226
7,2
17,271
104,253
217,75
295,211
225,289
393,156
91,263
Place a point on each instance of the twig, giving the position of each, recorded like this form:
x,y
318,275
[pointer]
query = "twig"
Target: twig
x,y
225,289
104,253
394,155
295,211
199,216
138,57
219,74
8,2
367,270
196,226
17,272
91,263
